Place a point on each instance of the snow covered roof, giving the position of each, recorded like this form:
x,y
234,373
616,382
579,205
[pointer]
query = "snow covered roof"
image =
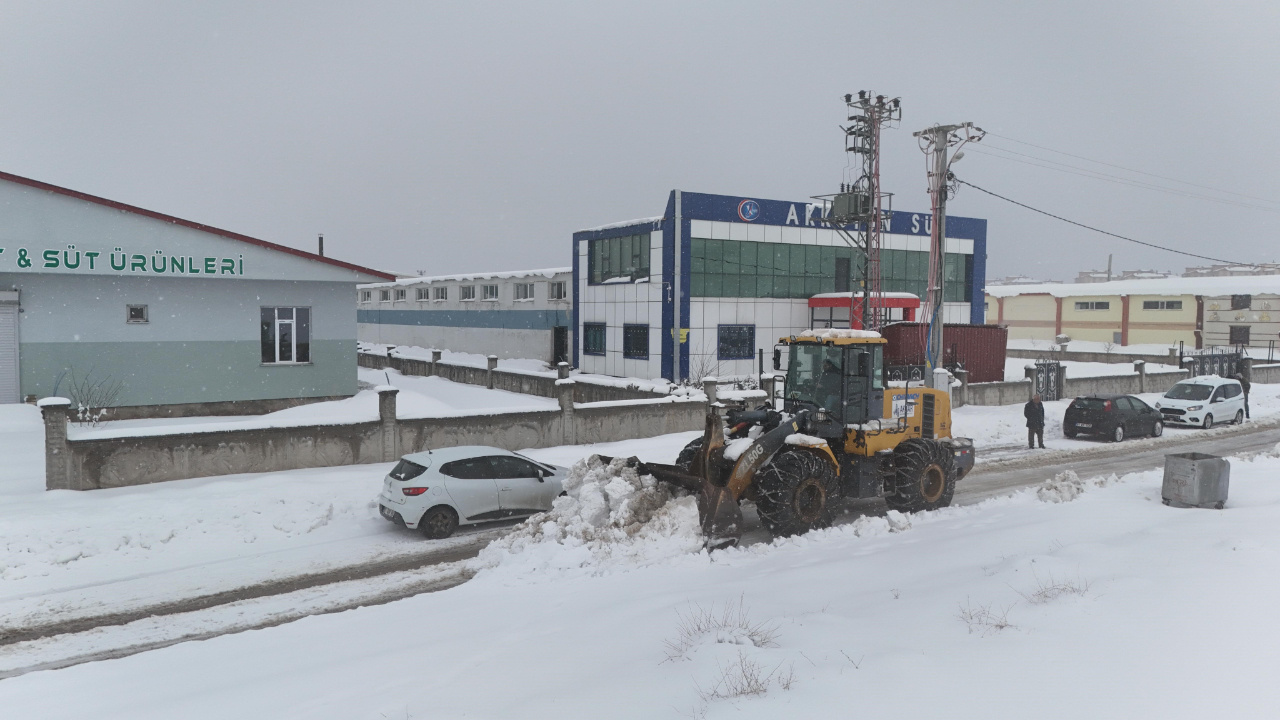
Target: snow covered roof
x,y
507,275
834,333
624,223
1205,286
895,295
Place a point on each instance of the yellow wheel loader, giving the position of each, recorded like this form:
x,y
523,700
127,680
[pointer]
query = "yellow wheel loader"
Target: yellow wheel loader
x,y
843,432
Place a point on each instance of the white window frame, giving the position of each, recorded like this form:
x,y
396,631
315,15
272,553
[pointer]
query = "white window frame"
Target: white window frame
x,y
523,292
1091,305
557,290
401,294
384,295
366,296
292,321
421,294
485,291
467,293
440,294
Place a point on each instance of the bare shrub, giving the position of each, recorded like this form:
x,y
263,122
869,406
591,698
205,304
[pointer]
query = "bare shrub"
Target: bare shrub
x,y
1051,589
745,677
730,624
985,619
92,398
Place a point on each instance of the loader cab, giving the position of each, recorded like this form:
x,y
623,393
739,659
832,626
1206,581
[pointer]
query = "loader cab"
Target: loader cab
x,y
844,378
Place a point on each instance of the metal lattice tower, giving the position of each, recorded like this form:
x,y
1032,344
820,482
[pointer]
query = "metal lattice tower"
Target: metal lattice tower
x,y
857,212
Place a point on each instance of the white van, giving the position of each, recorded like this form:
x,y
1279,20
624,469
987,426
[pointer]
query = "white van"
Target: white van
x,y
1204,401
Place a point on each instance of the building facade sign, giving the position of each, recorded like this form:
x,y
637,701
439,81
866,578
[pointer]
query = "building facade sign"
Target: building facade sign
x,y
117,260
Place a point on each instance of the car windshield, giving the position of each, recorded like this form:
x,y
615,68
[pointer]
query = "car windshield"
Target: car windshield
x,y
814,375
405,470
1189,391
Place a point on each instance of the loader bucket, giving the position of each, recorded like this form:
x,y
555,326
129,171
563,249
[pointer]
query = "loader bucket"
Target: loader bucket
x,y
718,511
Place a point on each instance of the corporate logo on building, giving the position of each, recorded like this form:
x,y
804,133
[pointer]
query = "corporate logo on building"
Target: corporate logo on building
x,y
748,210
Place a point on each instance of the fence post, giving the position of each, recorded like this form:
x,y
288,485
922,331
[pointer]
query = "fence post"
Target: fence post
x,y
709,387
962,398
768,383
1140,367
568,422
562,371
493,365
1030,373
57,459
435,359
1246,368
390,428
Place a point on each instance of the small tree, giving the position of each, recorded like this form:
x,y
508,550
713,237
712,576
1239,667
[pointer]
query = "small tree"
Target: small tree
x,y
91,398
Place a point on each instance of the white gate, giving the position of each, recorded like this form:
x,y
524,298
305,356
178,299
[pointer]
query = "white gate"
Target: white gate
x,y
8,352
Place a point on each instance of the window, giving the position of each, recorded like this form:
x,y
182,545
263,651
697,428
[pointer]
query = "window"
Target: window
x,y
1239,334
468,469
401,294
624,257
440,293
1161,304
421,294
135,314
1094,305
593,338
556,290
384,295
635,342
489,292
468,292
508,467
1117,337
366,295
524,291
1241,302
286,335
1230,391
736,342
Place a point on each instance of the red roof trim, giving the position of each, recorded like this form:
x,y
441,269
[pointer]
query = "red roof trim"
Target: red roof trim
x,y
193,225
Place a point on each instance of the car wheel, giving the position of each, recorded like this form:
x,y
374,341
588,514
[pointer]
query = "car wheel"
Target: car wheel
x,y
1239,417
439,522
1158,429
1069,432
1208,421
1118,435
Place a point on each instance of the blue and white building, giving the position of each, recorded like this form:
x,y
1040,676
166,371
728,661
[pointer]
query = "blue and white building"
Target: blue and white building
x,y
740,271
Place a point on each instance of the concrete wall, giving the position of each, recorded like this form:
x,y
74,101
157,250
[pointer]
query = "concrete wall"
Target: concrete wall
x,y
513,381
1099,357
1262,318
1096,325
1028,317
123,461
999,393
1162,326
202,341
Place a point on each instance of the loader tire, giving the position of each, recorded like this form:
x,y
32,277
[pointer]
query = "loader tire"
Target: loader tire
x,y
924,476
796,492
684,460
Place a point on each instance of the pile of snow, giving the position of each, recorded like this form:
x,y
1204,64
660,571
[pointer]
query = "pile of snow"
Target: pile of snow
x,y
1067,486
610,516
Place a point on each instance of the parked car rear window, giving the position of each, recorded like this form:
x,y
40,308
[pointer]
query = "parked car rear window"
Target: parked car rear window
x,y
1232,390
1189,391
405,470
469,469
1089,403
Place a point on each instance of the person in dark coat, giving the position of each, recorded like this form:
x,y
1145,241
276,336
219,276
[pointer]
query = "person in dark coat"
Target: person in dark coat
x,y
1244,385
1033,411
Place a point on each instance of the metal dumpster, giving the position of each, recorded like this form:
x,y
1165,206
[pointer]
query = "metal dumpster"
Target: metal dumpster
x,y
1195,480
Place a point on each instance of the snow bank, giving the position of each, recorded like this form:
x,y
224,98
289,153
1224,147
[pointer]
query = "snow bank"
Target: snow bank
x,y
609,517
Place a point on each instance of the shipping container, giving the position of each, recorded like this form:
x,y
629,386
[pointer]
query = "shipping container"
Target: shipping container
x,y
980,349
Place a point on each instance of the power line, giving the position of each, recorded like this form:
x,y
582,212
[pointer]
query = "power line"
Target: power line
x,y
1107,177
1128,169
1097,230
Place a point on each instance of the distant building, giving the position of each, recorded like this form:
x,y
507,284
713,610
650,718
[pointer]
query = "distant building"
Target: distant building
x,y
1232,270
1201,312
1097,276
518,314
1017,280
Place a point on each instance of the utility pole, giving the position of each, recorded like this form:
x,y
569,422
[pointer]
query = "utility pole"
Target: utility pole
x,y
860,204
935,142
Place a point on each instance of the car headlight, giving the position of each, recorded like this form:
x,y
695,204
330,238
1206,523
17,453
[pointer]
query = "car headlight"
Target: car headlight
x,y
1157,406
1194,408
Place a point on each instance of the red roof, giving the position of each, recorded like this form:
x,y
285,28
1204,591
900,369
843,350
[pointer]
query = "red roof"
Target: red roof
x,y
193,225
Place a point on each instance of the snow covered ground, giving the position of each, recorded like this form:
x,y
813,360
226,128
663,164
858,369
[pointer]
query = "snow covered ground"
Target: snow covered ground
x,y
1077,599
1015,368
1116,349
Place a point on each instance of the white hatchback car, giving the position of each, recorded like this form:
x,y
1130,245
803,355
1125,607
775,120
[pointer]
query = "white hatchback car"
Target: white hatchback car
x,y
1203,401
436,490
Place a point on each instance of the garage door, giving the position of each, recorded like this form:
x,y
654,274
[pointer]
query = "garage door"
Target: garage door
x,y
8,352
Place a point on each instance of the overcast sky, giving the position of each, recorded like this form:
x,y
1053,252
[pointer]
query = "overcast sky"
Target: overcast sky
x,y
452,137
